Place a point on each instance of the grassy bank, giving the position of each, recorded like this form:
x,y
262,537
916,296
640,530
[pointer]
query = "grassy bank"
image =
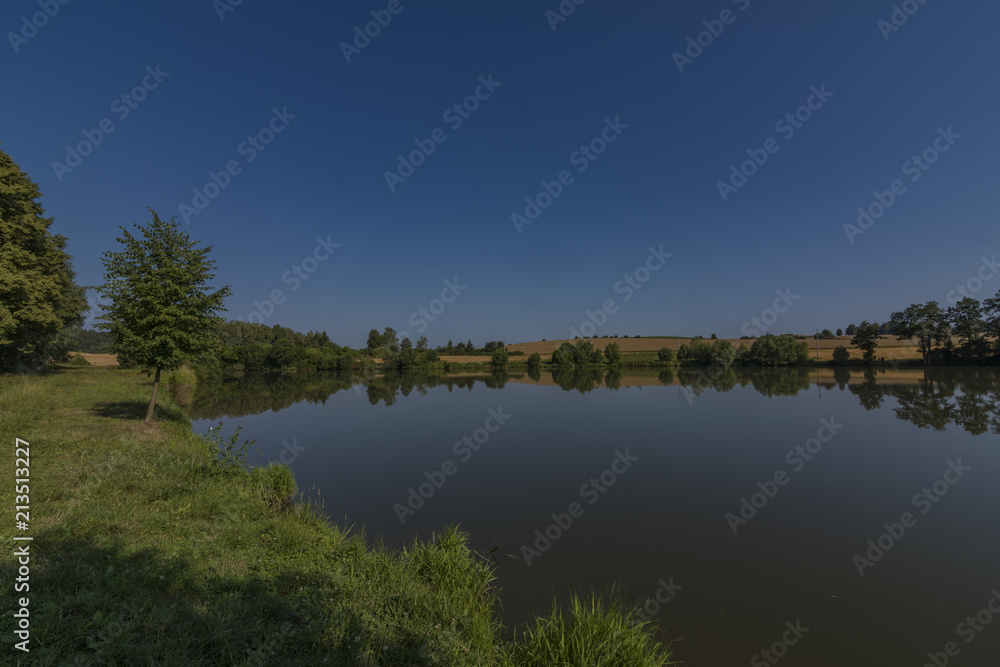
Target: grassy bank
x,y
145,552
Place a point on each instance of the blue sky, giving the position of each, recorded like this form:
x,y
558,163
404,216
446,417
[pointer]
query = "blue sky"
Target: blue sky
x,y
323,175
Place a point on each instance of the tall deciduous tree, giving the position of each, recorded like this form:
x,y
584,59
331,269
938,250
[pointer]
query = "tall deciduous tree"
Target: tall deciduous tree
x,y
613,353
38,295
966,318
991,312
926,322
163,311
866,339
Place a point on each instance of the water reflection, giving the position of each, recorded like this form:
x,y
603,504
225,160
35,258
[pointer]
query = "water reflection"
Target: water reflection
x,y
927,398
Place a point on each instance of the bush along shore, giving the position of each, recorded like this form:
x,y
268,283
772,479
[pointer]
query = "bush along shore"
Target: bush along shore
x,y
153,545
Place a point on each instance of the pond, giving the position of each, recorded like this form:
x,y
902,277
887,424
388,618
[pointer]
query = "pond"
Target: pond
x,y
811,517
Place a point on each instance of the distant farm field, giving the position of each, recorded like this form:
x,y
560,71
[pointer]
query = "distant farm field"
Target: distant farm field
x,y
889,347
100,359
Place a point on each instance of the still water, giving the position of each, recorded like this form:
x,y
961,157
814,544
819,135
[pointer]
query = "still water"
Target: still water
x,y
827,519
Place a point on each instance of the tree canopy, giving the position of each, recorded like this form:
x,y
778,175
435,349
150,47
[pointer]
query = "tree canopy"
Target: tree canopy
x,y
38,293
162,307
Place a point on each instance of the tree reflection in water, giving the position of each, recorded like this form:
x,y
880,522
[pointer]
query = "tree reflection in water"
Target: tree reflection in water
x,y
927,398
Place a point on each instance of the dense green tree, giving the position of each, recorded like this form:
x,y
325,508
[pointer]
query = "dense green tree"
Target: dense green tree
x,y
390,339
770,350
866,339
534,360
826,334
162,309
991,320
666,355
565,355
840,332
407,357
422,343
374,340
841,356
583,353
966,319
38,295
926,322
722,353
286,353
613,353
406,344
850,330
500,357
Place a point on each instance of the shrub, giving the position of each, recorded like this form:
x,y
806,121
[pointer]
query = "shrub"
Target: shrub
x,y
564,356
722,353
841,356
78,360
225,455
500,356
778,351
613,353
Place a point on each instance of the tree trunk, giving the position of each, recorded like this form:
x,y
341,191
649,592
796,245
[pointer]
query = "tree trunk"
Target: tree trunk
x,y
151,412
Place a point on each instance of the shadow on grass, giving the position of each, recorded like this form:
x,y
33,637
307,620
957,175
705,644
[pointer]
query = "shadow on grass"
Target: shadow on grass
x,y
136,411
113,604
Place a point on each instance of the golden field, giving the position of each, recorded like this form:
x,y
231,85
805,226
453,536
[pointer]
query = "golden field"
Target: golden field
x,y
889,347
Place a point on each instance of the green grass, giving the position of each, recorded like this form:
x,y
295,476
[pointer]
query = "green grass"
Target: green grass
x,y
146,552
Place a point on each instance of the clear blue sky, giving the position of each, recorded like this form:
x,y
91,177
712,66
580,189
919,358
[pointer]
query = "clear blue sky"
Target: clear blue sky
x,y
323,175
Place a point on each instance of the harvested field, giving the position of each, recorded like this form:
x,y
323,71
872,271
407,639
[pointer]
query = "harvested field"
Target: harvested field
x,y
889,347
98,359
